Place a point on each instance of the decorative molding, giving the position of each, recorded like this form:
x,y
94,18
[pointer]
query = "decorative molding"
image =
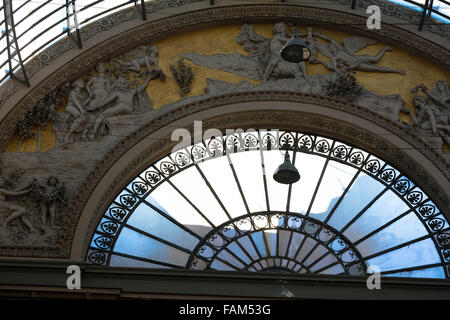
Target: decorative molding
x,y
152,29
130,39
404,13
289,120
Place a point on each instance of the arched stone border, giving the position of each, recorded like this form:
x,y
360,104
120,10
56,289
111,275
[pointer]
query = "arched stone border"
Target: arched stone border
x,y
302,112
15,100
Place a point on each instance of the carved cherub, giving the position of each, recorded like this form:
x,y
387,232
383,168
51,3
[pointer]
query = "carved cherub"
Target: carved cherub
x,y
345,57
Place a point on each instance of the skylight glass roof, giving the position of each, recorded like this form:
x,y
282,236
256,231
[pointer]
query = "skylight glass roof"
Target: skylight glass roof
x,y
215,205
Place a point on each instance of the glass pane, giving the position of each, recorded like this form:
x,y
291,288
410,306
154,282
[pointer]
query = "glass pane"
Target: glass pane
x,y
437,272
309,167
336,178
194,187
336,269
139,245
406,229
363,190
249,172
249,247
220,176
388,207
278,192
323,262
118,261
417,254
271,236
170,201
233,247
148,220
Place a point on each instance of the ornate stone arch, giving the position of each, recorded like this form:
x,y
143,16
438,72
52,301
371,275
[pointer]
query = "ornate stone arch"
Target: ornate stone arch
x,y
325,116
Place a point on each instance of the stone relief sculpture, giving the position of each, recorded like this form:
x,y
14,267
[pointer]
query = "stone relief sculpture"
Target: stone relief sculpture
x,y
143,57
264,63
432,119
343,56
48,197
108,93
275,61
16,211
183,75
25,207
41,114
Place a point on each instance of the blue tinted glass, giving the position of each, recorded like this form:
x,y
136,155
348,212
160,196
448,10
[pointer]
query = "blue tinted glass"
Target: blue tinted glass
x,y
148,220
393,235
362,191
136,244
417,254
436,272
386,208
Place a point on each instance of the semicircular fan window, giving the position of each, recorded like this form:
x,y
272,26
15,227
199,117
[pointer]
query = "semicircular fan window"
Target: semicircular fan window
x,y
214,205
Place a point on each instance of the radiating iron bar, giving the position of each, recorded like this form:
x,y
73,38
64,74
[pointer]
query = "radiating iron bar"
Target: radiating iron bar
x,y
193,205
330,214
412,268
156,238
222,205
313,198
245,264
328,266
101,13
288,203
266,191
313,263
404,244
144,14
145,260
387,188
387,224
212,191
243,199
77,40
171,219
424,15
9,23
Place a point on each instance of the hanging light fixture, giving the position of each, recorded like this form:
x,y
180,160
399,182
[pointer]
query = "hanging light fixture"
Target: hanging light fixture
x,y
286,173
295,50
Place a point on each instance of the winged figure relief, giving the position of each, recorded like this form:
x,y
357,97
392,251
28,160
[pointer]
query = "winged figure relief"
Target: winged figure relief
x,y
263,61
344,56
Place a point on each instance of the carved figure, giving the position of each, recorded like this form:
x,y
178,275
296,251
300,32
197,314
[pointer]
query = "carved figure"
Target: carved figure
x,y
18,211
98,87
345,57
76,120
49,196
279,39
142,57
125,99
433,113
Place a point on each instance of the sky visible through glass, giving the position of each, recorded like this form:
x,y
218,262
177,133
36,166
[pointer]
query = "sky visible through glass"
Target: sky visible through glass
x,y
215,206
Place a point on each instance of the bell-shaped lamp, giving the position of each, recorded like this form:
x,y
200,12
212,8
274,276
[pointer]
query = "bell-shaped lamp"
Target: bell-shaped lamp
x,y
286,172
295,50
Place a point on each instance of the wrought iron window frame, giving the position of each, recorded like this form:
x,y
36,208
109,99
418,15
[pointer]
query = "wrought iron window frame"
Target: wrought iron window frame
x,y
427,212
